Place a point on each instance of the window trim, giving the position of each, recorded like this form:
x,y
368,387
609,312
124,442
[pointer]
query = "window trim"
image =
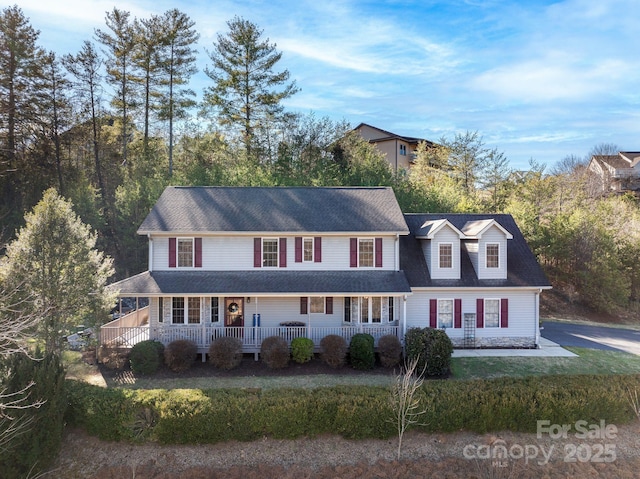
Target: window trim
x,y
277,253
453,313
321,299
313,249
497,256
440,245
185,310
193,251
373,251
484,312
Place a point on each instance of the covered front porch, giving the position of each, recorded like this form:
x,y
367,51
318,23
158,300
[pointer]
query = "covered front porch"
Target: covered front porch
x,y
202,307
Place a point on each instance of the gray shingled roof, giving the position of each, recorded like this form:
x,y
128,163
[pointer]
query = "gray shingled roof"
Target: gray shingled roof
x,y
263,282
522,267
275,209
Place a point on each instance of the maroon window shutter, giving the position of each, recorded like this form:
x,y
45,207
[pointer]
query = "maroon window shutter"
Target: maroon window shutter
x,y
317,249
353,252
457,313
172,252
198,246
257,252
433,313
298,247
283,252
304,301
479,313
328,305
378,249
504,313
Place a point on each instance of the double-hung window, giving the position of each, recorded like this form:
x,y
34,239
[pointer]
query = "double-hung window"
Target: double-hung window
x,y
270,252
365,252
493,255
185,252
307,250
316,305
185,310
445,313
491,313
445,255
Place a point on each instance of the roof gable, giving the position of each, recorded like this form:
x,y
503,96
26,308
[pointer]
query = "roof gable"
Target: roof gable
x,y
275,209
430,228
474,229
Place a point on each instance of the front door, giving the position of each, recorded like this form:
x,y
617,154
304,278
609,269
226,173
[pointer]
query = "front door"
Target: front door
x,y
234,312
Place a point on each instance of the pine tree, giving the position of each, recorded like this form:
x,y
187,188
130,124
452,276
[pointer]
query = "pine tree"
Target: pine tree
x,y
119,47
178,61
246,91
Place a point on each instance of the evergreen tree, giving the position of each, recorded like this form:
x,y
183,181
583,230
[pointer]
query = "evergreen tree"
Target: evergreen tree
x,y
119,47
178,62
20,74
53,261
246,90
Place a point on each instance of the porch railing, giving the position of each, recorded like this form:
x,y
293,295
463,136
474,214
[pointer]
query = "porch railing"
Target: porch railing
x,y
251,337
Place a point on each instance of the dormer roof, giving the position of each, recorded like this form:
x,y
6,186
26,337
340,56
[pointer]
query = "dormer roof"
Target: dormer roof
x,y
523,269
474,229
430,228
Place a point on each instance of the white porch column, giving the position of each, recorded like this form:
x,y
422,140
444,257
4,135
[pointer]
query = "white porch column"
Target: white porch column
x,y
150,252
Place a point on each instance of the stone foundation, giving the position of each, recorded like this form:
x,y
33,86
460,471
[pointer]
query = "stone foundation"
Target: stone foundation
x,y
497,343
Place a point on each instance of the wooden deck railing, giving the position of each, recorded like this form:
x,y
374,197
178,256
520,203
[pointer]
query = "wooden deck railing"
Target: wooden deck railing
x,y
252,337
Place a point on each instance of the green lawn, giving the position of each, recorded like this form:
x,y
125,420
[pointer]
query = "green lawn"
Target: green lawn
x,y
589,361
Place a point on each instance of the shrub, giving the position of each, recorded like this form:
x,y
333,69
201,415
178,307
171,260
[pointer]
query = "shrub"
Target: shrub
x,y
302,350
39,430
180,354
432,347
146,357
225,352
389,350
196,416
274,351
361,351
333,350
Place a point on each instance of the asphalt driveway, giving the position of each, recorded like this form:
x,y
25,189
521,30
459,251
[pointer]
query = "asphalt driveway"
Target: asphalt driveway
x,y
593,337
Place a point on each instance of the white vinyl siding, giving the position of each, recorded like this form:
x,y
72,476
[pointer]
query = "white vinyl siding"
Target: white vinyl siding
x,y
235,253
477,253
522,311
446,236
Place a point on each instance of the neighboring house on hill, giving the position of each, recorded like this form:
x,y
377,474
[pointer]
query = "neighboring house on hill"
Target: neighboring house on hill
x,y
258,262
400,151
618,173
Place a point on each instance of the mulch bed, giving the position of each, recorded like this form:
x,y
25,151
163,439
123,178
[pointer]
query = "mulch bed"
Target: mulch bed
x,y
249,367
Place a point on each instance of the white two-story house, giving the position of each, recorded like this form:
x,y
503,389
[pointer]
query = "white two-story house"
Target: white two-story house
x,y
260,261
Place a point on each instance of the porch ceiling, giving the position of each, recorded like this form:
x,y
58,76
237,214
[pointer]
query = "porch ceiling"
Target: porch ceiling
x,y
263,282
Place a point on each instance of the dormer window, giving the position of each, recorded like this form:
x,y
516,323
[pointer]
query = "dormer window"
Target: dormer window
x,y
493,255
185,253
445,255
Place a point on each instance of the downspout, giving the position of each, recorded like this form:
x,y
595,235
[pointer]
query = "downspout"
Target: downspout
x,y
537,317
150,252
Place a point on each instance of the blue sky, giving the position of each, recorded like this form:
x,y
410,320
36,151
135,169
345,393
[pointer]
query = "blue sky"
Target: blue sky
x,y
537,79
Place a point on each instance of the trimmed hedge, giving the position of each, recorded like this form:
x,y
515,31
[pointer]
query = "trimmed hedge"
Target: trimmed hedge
x,y
354,412
389,350
225,352
333,350
274,352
